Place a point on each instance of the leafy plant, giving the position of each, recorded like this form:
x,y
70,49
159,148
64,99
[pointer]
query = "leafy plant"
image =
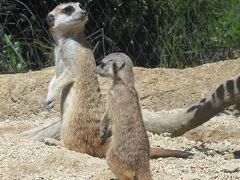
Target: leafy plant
x,y
13,53
155,33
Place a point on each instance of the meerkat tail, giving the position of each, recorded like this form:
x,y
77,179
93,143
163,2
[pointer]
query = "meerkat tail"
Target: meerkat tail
x,y
181,121
175,122
49,129
163,153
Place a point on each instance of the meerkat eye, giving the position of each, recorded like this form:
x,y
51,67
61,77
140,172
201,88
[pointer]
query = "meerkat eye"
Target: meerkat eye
x,y
68,10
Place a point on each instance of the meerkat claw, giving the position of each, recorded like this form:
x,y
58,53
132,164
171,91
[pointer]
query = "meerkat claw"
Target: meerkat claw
x,y
48,105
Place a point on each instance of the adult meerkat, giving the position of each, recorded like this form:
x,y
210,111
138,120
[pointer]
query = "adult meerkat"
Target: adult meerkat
x,y
76,79
129,152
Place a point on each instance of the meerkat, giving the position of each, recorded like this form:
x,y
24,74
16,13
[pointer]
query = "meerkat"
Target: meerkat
x,y
129,153
76,80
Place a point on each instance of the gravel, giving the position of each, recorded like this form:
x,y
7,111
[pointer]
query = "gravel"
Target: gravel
x,y
24,159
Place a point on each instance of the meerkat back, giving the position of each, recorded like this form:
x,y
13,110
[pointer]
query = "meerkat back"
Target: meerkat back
x,y
129,153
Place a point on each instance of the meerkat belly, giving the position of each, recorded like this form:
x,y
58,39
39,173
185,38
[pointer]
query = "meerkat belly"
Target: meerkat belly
x,y
130,149
80,129
130,136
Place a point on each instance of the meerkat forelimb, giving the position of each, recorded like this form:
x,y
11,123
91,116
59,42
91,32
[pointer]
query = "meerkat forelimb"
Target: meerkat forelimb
x,y
104,128
49,104
56,86
129,152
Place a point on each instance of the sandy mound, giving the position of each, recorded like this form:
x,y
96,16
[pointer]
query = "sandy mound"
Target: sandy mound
x,y
159,89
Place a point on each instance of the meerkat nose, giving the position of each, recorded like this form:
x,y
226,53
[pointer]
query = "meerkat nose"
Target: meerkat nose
x,y
85,13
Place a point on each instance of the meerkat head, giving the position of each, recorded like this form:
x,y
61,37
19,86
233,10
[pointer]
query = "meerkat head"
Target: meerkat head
x,y
116,65
66,19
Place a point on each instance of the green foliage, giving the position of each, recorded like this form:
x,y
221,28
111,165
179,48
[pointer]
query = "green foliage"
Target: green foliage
x,y
13,61
155,33
180,33
227,30
24,38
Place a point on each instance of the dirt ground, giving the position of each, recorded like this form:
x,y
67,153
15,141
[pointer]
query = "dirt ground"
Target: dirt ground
x,y
162,90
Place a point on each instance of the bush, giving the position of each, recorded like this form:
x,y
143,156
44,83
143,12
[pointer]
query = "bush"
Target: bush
x,y
163,33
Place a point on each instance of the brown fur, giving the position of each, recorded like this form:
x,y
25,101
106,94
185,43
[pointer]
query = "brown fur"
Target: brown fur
x,y
81,116
129,153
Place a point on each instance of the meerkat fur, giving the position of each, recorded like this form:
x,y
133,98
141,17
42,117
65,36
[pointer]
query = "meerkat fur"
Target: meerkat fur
x,y
76,80
129,152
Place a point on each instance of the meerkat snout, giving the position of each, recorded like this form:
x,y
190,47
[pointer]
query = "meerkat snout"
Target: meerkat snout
x,y
113,64
107,69
84,13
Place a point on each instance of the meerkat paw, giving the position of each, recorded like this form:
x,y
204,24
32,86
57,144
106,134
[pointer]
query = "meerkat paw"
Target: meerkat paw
x,y
51,142
48,104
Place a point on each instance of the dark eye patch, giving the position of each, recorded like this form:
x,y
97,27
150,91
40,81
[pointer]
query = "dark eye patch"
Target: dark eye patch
x,y
115,68
68,10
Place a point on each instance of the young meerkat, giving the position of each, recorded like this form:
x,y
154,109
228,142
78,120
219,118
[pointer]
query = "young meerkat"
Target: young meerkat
x,y
76,80
129,152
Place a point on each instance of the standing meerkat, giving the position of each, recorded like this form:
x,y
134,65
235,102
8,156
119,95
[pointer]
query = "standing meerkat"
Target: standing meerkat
x,y
76,80
129,152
